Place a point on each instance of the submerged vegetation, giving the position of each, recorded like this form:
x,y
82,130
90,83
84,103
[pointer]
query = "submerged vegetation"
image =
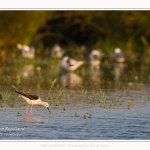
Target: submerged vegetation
x,y
81,100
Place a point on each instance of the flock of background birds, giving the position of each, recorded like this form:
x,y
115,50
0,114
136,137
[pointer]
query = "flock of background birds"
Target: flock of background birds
x,y
70,64
66,63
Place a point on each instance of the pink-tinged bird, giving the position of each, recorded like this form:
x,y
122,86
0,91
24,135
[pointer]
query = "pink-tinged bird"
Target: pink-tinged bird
x,y
31,100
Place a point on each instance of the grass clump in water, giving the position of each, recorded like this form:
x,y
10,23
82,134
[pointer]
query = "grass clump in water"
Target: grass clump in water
x,y
53,83
6,96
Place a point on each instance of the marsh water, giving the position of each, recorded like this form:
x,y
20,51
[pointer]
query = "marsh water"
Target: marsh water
x,y
111,103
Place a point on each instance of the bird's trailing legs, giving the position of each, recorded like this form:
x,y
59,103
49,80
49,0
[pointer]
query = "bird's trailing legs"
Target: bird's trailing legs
x,y
27,110
30,110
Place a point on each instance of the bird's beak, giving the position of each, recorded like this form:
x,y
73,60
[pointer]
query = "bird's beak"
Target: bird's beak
x,y
49,110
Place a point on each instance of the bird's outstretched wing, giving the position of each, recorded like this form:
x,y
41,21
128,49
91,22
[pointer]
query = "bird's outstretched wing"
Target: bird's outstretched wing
x,y
30,96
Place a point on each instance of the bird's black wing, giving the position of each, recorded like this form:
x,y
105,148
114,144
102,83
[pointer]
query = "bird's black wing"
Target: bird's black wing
x,y
30,96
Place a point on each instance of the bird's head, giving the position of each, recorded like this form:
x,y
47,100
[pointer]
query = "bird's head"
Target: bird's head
x,y
117,50
46,105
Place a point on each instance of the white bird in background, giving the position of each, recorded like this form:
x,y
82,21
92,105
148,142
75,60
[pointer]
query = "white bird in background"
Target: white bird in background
x,y
31,100
70,64
95,58
57,51
27,52
118,55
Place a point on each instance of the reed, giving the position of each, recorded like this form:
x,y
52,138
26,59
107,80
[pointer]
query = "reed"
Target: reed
x,y
53,83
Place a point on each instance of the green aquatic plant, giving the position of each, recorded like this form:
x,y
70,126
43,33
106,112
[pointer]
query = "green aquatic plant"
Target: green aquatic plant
x,y
64,108
12,104
18,79
85,116
1,105
57,103
6,96
29,89
90,116
59,91
148,99
77,115
111,102
68,96
18,114
120,100
84,91
129,103
123,88
53,83
1,98
104,105
94,97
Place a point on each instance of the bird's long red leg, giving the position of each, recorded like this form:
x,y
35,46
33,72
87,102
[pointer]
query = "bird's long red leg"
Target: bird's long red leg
x,y
27,110
31,111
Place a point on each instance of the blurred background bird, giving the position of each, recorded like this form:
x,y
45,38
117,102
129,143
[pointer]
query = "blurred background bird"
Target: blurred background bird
x,y
70,64
119,56
27,52
57,51
95,58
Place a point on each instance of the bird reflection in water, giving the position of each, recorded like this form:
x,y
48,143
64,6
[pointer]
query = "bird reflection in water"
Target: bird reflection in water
x,y
27,71
119,70
70,80
95,74
95,59
36,119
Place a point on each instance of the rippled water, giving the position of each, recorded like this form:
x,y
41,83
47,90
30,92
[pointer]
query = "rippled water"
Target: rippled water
x,y
116,123
121,111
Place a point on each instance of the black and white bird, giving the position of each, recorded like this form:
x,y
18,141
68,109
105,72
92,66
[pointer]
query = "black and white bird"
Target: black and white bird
x,y
70,64
119,56
31,100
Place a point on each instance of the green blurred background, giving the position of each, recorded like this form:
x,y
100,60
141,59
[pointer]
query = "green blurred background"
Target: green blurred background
x,y
78,32
78,29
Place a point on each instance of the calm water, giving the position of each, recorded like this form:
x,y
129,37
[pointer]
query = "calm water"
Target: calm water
x,y
115,123
112,118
